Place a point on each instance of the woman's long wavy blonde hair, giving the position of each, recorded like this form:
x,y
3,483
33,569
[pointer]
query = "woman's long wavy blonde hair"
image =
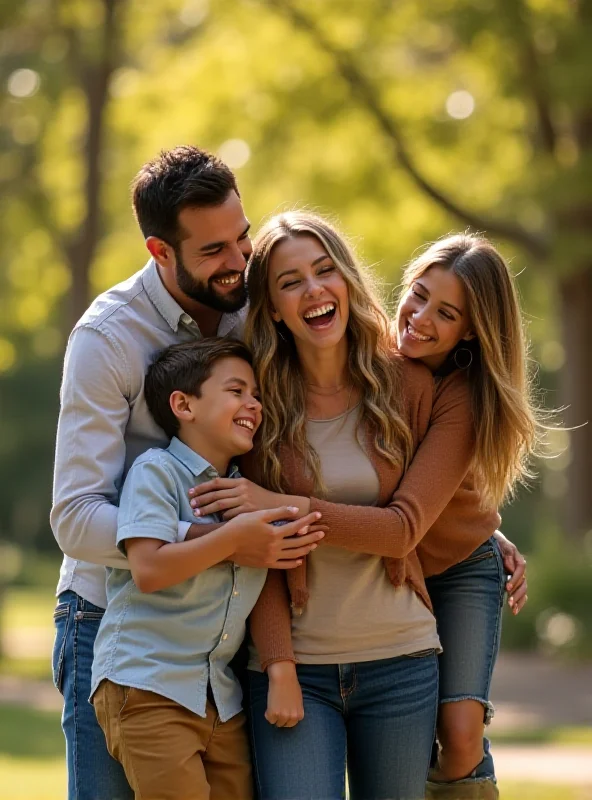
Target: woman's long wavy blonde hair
x,y
507,421
373,370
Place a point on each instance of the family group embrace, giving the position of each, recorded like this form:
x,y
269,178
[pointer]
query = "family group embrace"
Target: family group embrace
x,y
278,505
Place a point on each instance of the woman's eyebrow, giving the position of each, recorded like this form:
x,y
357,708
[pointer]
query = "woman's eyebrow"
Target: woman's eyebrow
x,y
313,264
286,272
454,307
444,303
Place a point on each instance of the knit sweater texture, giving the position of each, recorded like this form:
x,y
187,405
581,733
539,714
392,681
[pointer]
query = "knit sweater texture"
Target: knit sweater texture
x,y
426,519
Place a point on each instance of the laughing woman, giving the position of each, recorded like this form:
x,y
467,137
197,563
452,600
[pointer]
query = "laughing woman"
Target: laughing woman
x,y
344,416
309,327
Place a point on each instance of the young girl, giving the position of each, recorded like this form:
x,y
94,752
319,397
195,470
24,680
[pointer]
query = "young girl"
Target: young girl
x,y
314,332
459,311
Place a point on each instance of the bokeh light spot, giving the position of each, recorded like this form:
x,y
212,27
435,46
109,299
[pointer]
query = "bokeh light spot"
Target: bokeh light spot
x,y
460,105
124,82
235,153
23,83
194,12
552,355
557,628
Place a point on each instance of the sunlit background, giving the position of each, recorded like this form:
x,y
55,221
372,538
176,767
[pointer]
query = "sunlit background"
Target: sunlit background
x,y
403,120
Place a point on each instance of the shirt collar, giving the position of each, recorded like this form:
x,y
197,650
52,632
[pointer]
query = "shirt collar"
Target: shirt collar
x,y
172,312
194,462
164,302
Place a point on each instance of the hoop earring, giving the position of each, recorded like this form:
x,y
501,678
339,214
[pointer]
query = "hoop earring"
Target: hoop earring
x,y
280,333
465,360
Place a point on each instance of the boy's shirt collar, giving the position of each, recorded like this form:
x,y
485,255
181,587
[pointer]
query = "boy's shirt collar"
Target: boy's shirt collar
x,y
195,463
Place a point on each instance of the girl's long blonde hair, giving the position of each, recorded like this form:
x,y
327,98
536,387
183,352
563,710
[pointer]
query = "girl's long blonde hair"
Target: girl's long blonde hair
x,y
507,421
372,368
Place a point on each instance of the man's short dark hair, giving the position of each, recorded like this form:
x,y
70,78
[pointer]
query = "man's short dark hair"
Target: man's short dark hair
x,y
185,177
185,368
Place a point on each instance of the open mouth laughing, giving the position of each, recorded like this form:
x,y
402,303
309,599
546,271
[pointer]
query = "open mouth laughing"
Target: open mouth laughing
x,y
230,279
414,334
320,316
247,423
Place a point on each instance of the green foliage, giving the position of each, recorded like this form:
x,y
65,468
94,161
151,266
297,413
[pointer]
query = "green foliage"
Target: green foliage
x,y
213,73
16,724
27,434
558,616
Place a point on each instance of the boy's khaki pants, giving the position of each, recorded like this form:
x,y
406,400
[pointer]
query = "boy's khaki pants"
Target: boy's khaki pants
x,y
168,752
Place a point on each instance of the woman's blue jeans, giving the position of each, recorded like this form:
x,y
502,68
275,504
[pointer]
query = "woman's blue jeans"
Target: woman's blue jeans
x,y
468,601
377,718
92,773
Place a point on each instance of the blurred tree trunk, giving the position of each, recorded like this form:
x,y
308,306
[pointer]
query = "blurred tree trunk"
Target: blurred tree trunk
x,y
576,317
92,69
575,291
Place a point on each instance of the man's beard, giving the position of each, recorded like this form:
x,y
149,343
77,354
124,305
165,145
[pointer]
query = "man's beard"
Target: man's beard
x,y
207,293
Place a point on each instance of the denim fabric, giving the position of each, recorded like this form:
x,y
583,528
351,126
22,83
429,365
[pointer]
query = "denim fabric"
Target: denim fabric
x,y
468,600
178,640
92,773
376,717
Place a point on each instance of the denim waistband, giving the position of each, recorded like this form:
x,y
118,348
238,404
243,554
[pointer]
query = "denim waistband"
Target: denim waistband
x,y
79,603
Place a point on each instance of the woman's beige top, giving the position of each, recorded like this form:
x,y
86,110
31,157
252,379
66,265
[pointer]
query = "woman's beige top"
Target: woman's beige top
x,y
354,613
412,504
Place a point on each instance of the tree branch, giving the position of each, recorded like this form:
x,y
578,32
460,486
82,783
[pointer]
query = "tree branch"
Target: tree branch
x,y
366,94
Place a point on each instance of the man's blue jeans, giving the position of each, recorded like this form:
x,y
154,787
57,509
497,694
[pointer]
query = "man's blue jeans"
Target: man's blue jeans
x,y
92,773
377,718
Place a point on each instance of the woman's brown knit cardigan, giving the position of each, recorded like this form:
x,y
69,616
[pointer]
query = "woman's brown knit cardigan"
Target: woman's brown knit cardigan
x,y
408,506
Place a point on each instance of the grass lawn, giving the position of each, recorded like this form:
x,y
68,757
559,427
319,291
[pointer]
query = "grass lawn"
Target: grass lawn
x,y
523,791
26,624
27,779
563,735
32,762
45,779
31,754
31,741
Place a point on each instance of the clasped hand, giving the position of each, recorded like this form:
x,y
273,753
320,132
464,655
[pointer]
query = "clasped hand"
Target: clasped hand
x,y
231,497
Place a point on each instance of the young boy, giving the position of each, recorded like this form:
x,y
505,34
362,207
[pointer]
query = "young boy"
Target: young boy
x,y
163,691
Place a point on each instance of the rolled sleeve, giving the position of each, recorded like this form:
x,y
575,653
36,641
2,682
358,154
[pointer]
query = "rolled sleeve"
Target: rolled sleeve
x,y
90,448
149,505
182,530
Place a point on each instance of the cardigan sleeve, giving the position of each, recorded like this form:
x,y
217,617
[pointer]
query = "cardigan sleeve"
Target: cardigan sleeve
x,y
270,622
437,470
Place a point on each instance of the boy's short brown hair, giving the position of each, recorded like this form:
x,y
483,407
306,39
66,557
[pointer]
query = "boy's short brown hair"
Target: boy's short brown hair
x,y
185,368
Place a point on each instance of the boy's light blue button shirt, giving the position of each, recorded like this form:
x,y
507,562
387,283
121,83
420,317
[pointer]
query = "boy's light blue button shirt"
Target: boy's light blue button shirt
x,y
173,641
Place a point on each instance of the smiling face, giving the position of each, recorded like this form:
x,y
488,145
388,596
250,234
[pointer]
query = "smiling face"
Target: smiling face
x,y
433,317
208,264
308,293
221,423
